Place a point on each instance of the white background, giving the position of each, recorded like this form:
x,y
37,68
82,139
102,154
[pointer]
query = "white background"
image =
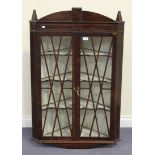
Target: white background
x,y
142,86
105,7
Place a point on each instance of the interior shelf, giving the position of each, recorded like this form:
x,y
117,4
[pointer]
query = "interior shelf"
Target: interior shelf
x,y
90,52
61,104
65,52
86,131
84,77
68,77
65,132
83,103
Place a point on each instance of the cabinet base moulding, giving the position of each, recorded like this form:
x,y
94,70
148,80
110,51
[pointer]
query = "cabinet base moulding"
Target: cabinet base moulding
x,y
73,144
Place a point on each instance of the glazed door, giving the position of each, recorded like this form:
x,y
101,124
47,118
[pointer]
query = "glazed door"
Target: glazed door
x,y
76,85
95,85
56,85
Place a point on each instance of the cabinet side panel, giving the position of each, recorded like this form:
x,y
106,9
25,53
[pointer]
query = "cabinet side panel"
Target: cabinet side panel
x,y
32,36
116,85
112,124
119,59
36,124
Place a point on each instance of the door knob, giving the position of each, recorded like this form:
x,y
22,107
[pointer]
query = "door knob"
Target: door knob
x,y
77,91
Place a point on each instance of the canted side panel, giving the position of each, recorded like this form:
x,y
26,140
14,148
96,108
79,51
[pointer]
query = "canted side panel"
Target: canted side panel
x,y
32,56
35,85
116,85
119,59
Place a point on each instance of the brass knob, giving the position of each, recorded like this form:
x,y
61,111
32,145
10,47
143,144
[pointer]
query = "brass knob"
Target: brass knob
x,y
77,91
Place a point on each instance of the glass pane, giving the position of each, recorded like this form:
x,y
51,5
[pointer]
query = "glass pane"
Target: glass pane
x,y
95,86
56,85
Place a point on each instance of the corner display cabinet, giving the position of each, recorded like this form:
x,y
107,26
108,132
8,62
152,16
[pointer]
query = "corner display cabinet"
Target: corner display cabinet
x,y
76,74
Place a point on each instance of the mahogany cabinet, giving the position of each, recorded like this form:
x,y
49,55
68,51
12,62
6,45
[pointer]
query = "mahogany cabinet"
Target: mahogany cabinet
x,y
76,74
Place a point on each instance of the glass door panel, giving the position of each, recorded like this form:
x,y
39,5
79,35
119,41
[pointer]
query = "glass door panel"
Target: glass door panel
x,y
56,85
95,85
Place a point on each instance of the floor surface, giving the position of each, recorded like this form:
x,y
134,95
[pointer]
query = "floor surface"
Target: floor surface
x,y
124,147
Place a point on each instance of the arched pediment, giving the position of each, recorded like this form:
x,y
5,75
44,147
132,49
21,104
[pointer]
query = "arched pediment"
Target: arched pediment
x,y
67,16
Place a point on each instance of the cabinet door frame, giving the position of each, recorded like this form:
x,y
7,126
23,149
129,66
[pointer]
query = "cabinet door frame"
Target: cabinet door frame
x,y
36,84
113,71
